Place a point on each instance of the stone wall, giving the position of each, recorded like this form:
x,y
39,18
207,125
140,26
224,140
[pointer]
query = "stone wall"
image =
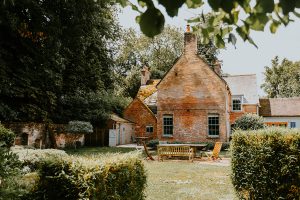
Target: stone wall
x,y
38,135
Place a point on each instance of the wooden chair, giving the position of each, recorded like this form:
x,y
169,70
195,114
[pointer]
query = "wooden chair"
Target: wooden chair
x,y
214,155
149,157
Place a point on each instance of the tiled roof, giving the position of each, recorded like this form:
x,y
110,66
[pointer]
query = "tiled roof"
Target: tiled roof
x,y
280,107
151,100
147,90
116,118
245,85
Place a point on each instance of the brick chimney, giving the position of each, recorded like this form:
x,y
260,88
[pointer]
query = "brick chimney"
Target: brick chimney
x,y
217,67
190,42
145,75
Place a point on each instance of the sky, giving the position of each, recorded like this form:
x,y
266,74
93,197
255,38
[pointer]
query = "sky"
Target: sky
x,y
245,58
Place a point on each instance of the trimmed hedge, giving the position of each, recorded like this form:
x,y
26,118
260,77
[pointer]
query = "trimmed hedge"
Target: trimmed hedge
x,y
249,121
114,176
266,163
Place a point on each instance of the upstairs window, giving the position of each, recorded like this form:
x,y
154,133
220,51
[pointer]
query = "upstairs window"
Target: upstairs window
x,y
149,129
168,125
237,102
213,125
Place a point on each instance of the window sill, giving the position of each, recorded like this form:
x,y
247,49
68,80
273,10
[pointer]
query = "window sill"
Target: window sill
x,y
236,110
167,136
212,137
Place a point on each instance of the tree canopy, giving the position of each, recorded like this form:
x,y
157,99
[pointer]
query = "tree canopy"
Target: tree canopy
x,y
56,64
282,79
159,53
234,16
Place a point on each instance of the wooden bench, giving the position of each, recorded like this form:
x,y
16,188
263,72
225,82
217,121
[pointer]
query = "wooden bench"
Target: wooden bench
x,y
175,151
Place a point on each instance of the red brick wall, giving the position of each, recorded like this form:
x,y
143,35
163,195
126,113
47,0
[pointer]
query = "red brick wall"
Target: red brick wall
x,y
246,109
138,112
190,91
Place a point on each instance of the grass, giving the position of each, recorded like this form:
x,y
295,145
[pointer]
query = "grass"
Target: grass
x,y
182,180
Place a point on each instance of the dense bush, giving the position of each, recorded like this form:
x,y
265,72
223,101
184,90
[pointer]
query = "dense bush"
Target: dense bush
x,y
266,163
120,176
7,136
249,122
153,143
79,127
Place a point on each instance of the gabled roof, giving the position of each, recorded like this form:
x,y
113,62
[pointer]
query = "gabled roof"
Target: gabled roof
x,y
280,107
151,100
245,85
148,89
117,118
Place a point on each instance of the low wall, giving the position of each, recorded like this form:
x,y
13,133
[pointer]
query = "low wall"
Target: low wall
x,y
40,135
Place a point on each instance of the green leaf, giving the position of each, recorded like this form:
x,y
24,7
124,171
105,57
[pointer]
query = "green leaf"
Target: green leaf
x,y
193,20
287,5
152,22
245,4
219,41
257,21
123,3
194,3
296,14
215,4
228,5
243,31
172,6
264,6
273,27
251,41
232,39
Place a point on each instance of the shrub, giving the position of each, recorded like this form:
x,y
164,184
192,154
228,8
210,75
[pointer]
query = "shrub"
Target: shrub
x,y
249,122
266,163
119,176
9,172
7,136
153,143
79,127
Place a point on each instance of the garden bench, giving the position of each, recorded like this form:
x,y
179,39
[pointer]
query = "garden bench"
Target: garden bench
x,y
175,150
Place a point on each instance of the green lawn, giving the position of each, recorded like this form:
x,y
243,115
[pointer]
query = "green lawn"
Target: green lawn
x,y
171,179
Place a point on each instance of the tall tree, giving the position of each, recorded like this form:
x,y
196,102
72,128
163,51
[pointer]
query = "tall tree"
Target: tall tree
x,y
282,79
55,60
159,53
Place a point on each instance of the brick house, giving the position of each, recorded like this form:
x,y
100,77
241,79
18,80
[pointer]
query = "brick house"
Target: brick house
x,y
192,102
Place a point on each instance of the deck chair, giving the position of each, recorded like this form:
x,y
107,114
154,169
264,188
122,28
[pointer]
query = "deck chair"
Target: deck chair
x,y
214,155
149,157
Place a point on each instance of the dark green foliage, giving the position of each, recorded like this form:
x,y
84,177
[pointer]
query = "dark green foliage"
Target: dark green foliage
x,y
249,122
266,164
7,137
153,143
227,14
111,177
282,79
55,60
79,127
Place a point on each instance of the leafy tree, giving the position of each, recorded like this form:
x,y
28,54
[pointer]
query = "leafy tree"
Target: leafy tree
x,y
55,58
159,53
240,16
249,122
282,79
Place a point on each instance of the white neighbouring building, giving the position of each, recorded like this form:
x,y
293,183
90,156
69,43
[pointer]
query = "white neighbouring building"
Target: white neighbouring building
x,y
281,111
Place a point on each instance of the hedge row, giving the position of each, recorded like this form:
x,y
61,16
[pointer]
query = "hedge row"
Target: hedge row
x,y
120,176
266,163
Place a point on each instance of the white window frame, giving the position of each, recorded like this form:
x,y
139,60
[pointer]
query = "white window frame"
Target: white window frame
x,y
171,126
237,97
208,124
